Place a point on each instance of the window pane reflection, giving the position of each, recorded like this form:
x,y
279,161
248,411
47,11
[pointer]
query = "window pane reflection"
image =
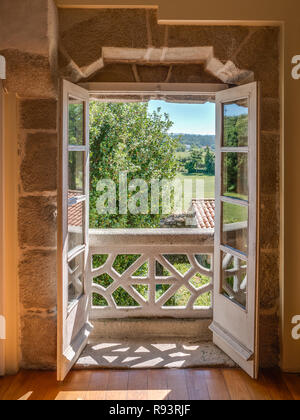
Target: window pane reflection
x,y
76,270
76,165
76,122
235,123
234,279
235,175
75,223
235,226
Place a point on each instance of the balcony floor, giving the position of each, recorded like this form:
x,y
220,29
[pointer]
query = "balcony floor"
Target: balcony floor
x,y
152,354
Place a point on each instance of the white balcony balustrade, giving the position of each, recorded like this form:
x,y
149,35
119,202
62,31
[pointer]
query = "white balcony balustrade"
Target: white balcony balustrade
x,y
157,273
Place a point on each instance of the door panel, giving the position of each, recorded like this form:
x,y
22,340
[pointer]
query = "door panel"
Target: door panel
x,y
235,320
73,288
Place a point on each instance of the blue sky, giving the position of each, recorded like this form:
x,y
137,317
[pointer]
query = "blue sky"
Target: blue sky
x,y
188,118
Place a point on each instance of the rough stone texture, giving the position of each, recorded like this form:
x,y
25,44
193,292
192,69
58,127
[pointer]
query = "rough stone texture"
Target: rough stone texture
x,y
270,115
106,28
37,221
232,54
38,114
269,222
39,166
151,328
191,73
29,75
38,337
269,162
153,74
29,43
38,287
225,40
158,33
269,285
261,52
114,73
269,343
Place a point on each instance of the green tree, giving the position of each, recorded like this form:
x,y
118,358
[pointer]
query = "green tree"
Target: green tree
x,y
194,162
127,138
209,161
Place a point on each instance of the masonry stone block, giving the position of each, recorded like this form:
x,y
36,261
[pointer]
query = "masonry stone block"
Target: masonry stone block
x,y
114,73
268,339
191,73
153,74
38,114
38,341
269,222
106,28
39,166
37,221
270,115
224,40
29,75
37,274
157,32
269,163
269,279
261,54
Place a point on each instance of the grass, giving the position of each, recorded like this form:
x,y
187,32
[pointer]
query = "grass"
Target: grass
x,y
209,183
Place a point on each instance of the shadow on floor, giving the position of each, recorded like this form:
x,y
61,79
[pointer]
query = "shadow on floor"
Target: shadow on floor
x,y
146,354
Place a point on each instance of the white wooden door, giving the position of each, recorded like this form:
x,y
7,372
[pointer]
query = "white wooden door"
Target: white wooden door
x,y
235,319
73,288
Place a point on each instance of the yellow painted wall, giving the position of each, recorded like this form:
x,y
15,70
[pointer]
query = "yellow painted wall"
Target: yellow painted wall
x,y
288,13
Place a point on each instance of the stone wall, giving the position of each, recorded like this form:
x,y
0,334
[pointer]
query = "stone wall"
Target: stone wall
x,y
122,45
28,41
129,46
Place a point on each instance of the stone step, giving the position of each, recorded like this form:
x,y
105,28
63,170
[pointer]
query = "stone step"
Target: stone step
x,y
152,328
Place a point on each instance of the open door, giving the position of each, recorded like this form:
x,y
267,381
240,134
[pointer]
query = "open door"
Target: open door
x,y
73,237
235,320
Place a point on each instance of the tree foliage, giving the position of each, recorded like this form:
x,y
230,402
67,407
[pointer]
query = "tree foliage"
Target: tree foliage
x,y
127,138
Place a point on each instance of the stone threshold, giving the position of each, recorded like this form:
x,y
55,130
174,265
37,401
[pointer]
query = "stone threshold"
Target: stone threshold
x,y
152,354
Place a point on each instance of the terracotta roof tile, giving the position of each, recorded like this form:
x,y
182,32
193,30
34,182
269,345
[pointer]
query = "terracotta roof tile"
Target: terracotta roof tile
x,y
75,211
204,213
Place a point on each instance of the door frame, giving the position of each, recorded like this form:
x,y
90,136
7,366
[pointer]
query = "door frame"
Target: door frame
x,y
2,288
119,90
69,343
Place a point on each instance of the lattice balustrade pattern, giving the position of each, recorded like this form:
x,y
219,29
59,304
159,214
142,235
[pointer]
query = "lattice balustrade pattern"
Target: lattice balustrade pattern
x,y
150,274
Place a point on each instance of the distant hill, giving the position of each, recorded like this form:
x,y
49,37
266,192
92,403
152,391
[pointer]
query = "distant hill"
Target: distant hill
x,y
197,140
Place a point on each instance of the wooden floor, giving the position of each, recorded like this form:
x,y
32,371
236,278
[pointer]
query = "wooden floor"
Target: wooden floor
x,y
165,384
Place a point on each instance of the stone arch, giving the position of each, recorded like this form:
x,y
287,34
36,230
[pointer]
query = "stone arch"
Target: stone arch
x,y
90,40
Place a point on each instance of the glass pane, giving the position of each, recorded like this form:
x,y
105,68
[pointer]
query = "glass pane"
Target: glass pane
x,y
236,123
76,270
75,224
76,178
76,122
234,279
235,175
235,226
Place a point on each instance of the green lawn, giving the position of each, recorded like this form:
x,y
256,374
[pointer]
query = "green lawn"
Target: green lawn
x,y
209,183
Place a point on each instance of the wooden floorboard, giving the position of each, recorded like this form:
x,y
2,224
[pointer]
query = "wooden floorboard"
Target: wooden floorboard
x,y
160,384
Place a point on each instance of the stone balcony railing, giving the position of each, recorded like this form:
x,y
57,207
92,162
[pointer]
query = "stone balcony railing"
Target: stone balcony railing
x,y
151,273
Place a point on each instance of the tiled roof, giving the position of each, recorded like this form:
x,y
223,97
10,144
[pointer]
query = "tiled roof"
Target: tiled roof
x,y
75,210
204,213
